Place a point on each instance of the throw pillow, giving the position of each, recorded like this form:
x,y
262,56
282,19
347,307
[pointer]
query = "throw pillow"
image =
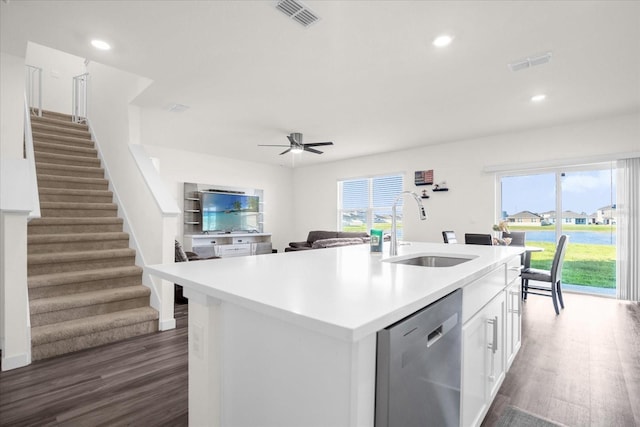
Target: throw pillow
x,y
332,243
180,255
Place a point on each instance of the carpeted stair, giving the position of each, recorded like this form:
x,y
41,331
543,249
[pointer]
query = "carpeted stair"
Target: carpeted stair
x,y
84,287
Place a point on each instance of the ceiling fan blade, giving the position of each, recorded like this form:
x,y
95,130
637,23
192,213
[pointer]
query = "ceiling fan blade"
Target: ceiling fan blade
x,y
286,151
318,144
291,140
271,145
306,148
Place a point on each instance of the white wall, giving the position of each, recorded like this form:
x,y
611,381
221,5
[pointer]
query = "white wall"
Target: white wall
x,y
469,205
12,72
110,93
15,332
178,167
58,70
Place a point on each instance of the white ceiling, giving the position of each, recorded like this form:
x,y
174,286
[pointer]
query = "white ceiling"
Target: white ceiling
x,y
365,76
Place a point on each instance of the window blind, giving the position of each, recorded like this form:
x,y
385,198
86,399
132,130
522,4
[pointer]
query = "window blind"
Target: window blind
x,y
366,203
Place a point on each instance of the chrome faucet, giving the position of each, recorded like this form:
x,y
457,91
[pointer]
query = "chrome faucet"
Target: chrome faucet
x,y
393,249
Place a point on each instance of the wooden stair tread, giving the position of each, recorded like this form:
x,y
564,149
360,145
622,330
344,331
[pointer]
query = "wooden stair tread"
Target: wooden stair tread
x,y
63,178
74,191
77,205
76,237
64,130
72,328
68,168
74,221
55,279
58,142
46,157
57,122
36,259
84,299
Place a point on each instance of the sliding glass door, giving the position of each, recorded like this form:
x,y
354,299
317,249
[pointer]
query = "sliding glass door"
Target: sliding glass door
x,y
589,219
585,200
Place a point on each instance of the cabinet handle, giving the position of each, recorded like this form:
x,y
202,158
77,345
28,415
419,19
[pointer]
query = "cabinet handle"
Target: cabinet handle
x,y
515,268
517,302
494,345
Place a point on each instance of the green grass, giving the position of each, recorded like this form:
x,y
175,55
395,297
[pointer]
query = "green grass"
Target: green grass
x,y
587,265
363,228
566,227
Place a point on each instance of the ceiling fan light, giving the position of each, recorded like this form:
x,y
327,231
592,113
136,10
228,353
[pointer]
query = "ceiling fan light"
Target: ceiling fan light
x,y
296,150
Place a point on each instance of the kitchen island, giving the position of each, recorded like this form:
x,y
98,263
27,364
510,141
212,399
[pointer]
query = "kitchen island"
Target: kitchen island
x,y
290,339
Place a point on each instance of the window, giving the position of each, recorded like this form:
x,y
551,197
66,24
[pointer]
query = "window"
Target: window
x,y
366,203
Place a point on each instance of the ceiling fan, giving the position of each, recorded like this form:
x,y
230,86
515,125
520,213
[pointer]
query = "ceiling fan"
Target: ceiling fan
x,y
296,145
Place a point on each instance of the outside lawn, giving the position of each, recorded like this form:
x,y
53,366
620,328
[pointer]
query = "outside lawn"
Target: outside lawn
x,y
588,265
584,264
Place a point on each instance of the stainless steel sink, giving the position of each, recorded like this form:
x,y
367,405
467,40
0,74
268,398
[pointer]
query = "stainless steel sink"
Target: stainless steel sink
x,y
432,260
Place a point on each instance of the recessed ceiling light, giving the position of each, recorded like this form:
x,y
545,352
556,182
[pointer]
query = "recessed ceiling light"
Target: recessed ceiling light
x,y
538,98
443,40
100,44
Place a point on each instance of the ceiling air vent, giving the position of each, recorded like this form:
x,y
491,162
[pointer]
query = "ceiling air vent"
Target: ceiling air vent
x,y
177,108
297,11
531,61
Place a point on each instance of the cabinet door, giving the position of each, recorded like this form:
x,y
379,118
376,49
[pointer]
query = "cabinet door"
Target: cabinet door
x,y
482,360
495,315
513,322
474,362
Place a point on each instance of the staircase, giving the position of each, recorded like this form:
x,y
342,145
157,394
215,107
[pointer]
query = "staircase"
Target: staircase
x,y
84,287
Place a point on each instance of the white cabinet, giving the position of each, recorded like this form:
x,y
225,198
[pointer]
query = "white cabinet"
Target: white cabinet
x,y
490,338
482,360
513,315
228,244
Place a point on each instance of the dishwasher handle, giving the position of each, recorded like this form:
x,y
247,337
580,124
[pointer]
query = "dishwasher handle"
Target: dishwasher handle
x,y
439,332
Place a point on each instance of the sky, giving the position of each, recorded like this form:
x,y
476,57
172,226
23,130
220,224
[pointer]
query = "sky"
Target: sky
x,y
582,191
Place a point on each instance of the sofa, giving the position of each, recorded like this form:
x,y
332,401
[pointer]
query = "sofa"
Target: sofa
x,y
327,239
184,256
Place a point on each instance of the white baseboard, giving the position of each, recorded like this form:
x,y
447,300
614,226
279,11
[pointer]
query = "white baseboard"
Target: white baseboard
x,y
165,325
17,361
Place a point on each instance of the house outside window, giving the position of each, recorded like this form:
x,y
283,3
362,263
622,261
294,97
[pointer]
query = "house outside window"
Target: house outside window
x,y
366,203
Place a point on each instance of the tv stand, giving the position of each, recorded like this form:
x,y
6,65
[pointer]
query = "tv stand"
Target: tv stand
x,y
230,244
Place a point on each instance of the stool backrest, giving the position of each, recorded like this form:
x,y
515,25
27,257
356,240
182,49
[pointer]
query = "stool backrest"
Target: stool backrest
x,y
478,239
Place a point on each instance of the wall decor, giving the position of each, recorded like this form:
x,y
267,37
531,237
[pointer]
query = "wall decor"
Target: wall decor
x,y
441,186
424,177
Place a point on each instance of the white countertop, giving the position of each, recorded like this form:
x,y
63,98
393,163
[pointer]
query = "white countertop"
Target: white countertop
x,y
345,292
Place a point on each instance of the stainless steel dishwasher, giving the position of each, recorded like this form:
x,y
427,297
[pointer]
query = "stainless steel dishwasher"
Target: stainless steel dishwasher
x,y
418,367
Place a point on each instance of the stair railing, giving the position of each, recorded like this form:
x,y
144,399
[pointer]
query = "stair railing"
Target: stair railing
x,y
34,89
79,98
30,157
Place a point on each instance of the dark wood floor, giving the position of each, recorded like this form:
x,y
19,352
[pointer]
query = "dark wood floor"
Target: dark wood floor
x,y
581,368
139,382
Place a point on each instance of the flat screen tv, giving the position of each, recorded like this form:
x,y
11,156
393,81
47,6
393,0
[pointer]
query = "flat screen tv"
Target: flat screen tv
x,y
227,212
